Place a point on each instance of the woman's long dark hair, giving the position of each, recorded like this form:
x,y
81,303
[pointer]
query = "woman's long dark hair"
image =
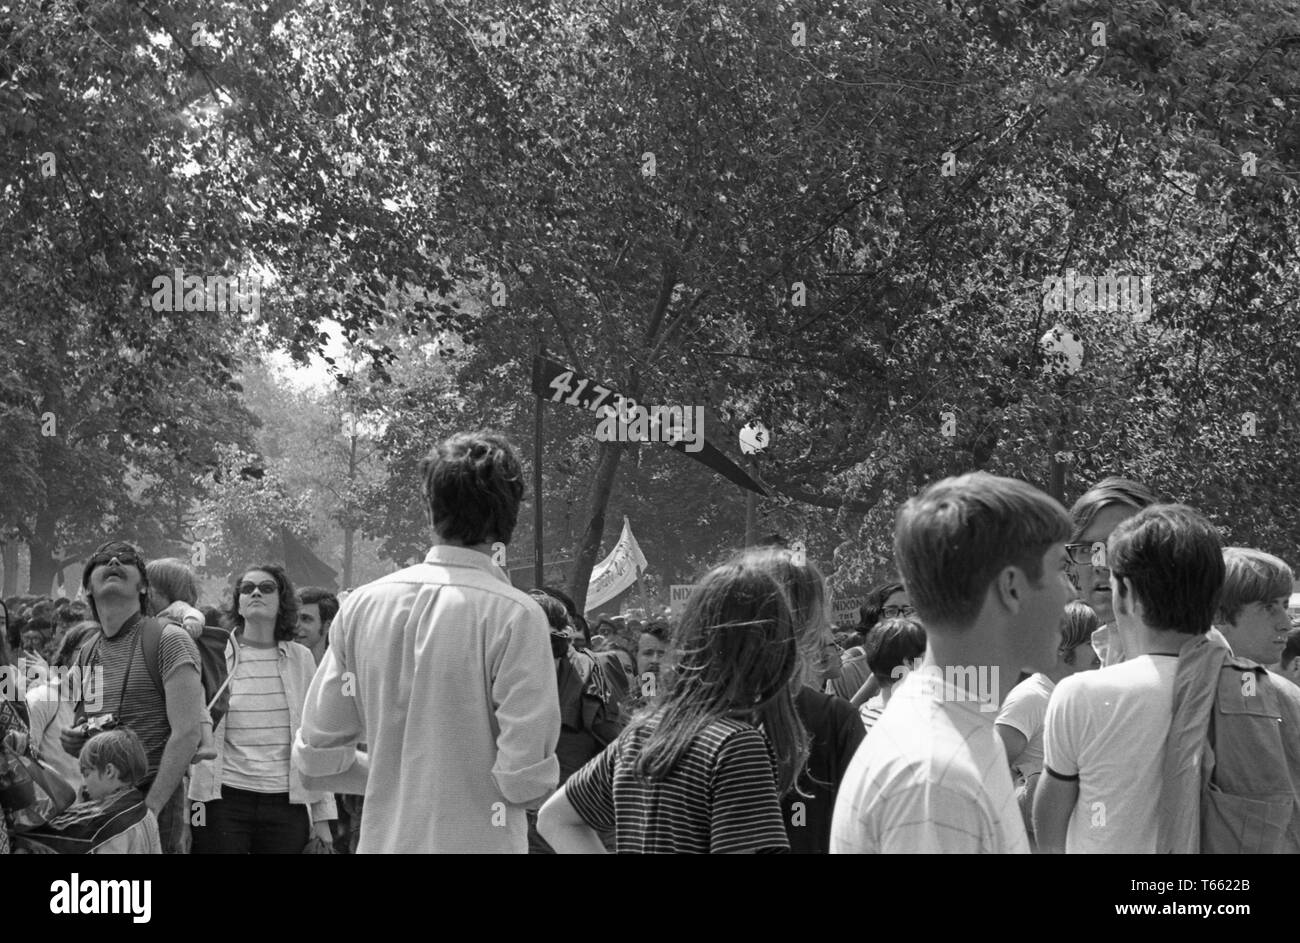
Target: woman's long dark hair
x,y
737,650
286,615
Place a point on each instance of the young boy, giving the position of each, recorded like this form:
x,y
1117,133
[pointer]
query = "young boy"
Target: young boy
x,y
111,817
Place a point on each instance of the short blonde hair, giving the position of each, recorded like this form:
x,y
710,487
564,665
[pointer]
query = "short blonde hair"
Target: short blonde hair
x,y
1077,625
121,748
1252,576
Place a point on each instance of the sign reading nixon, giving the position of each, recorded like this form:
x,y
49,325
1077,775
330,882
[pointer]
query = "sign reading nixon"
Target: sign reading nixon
x,y
678,593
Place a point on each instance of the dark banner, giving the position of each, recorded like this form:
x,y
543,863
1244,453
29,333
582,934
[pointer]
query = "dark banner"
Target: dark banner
x,y
557,383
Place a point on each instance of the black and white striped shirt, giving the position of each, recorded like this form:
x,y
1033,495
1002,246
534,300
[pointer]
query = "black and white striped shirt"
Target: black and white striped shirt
x,y
721,797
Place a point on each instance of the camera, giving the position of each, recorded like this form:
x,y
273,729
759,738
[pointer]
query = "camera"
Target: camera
x,y
101,723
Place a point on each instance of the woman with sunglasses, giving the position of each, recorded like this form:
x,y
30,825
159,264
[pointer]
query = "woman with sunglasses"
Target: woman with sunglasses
x,y
253,800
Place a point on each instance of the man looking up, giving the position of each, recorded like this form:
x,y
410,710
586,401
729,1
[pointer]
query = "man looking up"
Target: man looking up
x,y
167,720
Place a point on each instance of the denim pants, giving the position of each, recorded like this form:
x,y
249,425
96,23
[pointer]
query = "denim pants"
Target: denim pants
x,y
259,823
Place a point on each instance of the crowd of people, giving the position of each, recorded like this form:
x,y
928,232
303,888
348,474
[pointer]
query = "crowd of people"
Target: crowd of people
x,y
1109,678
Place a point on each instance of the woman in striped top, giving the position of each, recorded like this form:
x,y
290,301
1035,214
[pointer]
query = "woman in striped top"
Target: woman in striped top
x,y
702,770
253,800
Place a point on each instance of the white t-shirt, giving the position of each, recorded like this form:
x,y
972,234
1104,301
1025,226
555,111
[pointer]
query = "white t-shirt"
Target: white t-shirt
x,y
1109,644
1108,727
932,777
1024,710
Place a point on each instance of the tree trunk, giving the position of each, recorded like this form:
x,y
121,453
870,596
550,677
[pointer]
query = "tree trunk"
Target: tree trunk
x,y
602,487
9,554
44,564
348,534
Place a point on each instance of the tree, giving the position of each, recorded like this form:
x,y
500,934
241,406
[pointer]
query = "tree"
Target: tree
x,y
246,509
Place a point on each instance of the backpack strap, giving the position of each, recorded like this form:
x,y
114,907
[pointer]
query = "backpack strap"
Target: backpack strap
x,y
151,631
84,655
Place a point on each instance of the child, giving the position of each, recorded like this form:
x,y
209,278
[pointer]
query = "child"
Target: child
x,y
694,773
184,615
111,817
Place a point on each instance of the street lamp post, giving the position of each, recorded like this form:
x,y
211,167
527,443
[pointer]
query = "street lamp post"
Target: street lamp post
x,y
1064,358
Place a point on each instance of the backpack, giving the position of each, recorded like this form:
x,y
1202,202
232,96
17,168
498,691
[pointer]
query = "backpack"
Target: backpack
x,y
213,670
211,644
593,704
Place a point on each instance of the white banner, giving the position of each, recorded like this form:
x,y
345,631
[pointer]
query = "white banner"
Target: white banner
x,y
617,571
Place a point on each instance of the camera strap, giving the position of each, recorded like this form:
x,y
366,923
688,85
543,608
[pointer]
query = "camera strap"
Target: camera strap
x,y
88,658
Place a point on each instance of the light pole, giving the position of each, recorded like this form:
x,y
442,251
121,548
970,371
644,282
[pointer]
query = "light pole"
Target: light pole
x,y
1063,353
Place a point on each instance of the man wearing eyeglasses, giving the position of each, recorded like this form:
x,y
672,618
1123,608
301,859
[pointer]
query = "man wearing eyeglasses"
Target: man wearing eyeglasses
x,y
167,720
1097,513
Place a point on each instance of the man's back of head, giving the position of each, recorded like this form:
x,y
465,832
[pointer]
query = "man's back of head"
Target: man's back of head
x,y
473,486
1167,569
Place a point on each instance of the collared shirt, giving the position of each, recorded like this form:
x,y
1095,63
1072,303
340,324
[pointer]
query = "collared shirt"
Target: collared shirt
x,y
295,667
445,670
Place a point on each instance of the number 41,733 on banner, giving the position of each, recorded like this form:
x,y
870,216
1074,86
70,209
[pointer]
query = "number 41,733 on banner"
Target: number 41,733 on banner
x,y
556,383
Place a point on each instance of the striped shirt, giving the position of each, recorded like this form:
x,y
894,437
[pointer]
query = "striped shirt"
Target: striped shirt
x,y
127,690
871,712
932,777
721,797
258,735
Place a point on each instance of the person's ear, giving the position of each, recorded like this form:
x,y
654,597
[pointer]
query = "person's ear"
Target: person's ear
x,y
1121,594
1010,588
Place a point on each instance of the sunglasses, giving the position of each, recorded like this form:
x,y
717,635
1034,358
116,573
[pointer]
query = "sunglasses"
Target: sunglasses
x,y
267,587
126,558
894,612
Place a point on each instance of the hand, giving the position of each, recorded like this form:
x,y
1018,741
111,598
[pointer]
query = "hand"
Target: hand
x,y
16,740
322,831
73,739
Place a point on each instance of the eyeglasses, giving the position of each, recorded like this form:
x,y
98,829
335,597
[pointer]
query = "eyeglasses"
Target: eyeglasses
x,y
895,612
1083,554
267,587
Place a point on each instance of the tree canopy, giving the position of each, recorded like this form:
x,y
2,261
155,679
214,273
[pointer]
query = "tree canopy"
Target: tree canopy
x,y
841,220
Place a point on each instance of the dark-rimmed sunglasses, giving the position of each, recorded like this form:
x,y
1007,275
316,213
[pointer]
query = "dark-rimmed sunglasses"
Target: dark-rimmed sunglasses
x,y
125,558
267,587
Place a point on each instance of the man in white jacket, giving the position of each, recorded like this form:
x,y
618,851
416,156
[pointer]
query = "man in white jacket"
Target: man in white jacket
x,y
444,670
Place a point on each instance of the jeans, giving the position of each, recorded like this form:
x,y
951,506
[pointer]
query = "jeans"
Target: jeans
x,y
258,823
